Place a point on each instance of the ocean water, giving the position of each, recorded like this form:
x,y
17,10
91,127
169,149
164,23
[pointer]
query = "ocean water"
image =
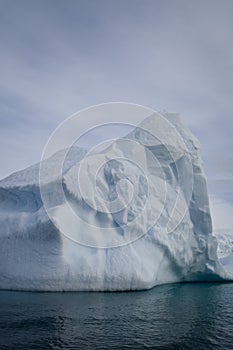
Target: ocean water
x,y
175,316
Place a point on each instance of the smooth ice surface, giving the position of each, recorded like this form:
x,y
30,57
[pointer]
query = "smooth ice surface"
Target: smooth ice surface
x,y
139,225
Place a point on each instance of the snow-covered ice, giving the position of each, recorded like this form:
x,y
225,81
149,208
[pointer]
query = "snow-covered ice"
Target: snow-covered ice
x,y
141,220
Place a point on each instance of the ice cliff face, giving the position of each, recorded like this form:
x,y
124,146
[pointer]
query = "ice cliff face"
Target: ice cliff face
x,y
130,217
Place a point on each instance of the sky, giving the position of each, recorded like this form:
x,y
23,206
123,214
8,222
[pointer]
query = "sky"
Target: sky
x,y
57,57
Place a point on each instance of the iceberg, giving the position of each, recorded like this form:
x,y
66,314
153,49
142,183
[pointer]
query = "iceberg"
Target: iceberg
x,y
129,217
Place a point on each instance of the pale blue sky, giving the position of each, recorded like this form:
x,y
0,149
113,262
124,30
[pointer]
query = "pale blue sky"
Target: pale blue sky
x,y
57,57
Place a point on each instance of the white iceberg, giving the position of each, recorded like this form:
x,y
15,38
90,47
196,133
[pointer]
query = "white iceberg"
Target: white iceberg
x,y
141,220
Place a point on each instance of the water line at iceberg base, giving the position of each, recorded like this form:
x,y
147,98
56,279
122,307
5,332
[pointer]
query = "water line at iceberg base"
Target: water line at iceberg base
x,y
128,213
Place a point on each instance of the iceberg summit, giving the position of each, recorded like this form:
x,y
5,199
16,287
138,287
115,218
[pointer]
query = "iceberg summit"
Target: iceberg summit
x,y
130,216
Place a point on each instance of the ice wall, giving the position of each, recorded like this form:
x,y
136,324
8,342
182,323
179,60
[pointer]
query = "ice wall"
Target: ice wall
x,y
141,220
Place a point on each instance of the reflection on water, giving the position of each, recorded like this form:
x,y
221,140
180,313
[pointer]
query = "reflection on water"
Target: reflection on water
x,y
178,316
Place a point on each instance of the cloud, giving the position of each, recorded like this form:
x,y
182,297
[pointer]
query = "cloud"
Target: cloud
x,y
58,57
221,211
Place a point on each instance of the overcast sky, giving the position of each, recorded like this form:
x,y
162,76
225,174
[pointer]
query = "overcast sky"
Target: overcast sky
x,y
57,57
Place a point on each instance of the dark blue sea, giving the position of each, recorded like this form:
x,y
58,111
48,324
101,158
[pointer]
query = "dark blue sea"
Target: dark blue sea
x,y
177,316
